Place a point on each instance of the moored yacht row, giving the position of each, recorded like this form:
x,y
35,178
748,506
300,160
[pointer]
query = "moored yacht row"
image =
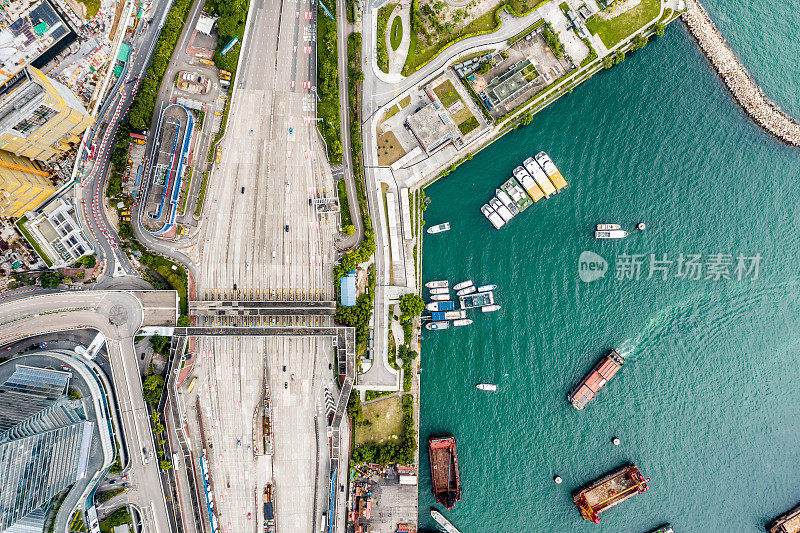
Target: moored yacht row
x,y
443,309
535,179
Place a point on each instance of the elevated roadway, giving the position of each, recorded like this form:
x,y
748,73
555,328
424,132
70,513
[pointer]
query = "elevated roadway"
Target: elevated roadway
x,y
118,315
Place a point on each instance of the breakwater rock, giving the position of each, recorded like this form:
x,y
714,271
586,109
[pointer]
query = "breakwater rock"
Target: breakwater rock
x,y
742,86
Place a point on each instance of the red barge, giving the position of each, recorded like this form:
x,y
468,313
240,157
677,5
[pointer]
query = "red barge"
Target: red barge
x,y
444,470
609,491
596,379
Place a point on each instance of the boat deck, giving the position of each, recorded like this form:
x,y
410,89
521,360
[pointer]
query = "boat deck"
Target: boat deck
x,y
558,180
608,490
444,470
787,523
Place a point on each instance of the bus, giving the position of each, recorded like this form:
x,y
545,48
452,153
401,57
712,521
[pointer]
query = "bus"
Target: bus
x,y
191,384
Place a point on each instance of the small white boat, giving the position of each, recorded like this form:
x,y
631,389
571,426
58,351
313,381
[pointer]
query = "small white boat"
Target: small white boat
x,y
490,308
439,228
506,200
486,386
440,297
468,290
439,306
611,234
500,209
437,325
437,284
462,285
486,288
493,217
462,322
444,290
607,227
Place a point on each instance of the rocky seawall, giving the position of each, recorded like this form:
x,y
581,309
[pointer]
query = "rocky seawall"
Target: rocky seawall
x,y
743,88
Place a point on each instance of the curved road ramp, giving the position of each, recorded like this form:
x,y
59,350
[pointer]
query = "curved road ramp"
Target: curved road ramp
x,y
118,315
743,88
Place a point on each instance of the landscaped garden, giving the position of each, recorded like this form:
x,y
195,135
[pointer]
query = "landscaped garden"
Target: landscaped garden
x,y
616,29
397,33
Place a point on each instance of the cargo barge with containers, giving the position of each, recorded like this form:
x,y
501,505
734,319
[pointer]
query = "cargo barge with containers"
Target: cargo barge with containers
x,y
609,491
444,470
535,179
788,522
602,372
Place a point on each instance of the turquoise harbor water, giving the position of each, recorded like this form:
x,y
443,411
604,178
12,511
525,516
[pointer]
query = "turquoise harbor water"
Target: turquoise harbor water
x,y
707,405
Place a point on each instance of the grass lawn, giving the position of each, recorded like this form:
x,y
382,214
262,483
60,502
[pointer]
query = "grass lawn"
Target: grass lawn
x,y
447,93
389,149
386,417
404,102
33,242
383,21
397,33
344,207
614,31
392,111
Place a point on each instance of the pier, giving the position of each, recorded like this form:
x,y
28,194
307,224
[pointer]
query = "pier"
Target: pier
x,y
743,88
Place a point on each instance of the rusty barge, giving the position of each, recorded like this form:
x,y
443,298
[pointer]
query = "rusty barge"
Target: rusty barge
x,y
444,470
609,491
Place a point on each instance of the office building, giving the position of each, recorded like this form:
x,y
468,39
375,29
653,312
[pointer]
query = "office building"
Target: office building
x,y
44,443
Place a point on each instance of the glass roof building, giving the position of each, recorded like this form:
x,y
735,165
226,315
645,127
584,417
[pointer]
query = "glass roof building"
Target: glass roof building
x,y
44,442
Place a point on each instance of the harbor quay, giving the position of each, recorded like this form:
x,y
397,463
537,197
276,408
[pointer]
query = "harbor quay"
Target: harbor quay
x,y
744,89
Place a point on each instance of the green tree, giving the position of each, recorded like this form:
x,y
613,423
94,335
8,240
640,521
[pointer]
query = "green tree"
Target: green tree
x,y
50,279
411,305
183,321
619,56
160,344
165,465
74,394
152,387
350,229
88,261
608,62
658,28
638,42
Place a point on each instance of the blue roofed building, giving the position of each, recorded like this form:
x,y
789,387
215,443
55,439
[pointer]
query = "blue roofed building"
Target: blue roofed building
x,y
347,289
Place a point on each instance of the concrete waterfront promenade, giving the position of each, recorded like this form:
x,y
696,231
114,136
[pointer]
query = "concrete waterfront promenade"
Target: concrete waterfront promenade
x,y
742,86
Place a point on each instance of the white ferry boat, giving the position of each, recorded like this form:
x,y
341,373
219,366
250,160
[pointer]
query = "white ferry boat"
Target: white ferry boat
x,y
500,209
539,176
611,234
486,386
440,297
468,290
462,322
487,288
462,285
440,306
608,227
490,308
493,217
438,284
507,201
440,290
439,228
528,184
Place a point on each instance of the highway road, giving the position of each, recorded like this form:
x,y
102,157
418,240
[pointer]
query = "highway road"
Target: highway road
x,y
118,315
262,238
89,194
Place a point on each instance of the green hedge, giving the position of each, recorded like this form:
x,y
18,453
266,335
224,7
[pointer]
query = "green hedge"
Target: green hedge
x,y
328,85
